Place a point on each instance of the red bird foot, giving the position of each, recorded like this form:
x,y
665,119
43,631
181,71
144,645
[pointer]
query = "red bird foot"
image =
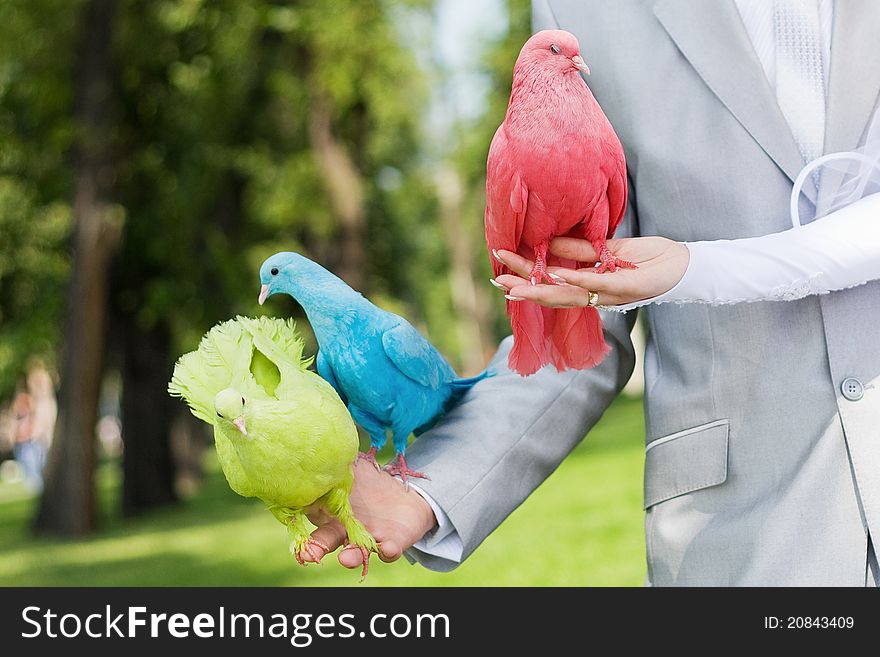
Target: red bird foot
x,y
369,457
315,549
539,275
402,470
539,270
365,555
610,263
611,266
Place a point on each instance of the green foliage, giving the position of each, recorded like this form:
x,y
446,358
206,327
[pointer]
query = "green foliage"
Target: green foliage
x,y
35,179
469,159
214,164
498,66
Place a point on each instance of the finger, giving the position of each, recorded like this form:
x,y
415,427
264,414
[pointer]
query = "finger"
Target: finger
x,y
390,551
331,535
351,557
589,280
552,296
509,280
574,249
522,266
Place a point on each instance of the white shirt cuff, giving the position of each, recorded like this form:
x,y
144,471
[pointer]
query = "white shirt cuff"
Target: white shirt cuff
x,y
443,541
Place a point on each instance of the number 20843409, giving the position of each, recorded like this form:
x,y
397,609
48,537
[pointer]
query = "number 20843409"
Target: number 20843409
x,y
809,622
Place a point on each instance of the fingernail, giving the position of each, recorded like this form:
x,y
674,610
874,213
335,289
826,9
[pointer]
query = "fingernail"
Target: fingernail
x,y
497,257
554,276
497,284
510,298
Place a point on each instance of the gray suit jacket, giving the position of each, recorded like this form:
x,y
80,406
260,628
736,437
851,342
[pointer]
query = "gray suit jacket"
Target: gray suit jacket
x,y
758,470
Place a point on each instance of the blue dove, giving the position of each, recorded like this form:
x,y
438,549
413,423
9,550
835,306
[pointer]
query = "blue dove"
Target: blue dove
x,y
386,372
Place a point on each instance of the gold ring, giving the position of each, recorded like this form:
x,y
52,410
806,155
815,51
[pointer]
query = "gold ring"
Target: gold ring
x,y
593,299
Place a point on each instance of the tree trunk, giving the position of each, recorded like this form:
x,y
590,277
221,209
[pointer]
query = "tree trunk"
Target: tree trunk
x,y
346,191
68,504
468,300
147,414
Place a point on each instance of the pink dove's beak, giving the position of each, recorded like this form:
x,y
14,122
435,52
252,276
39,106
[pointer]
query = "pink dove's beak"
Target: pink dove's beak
x,y
580,64
239,424
264,292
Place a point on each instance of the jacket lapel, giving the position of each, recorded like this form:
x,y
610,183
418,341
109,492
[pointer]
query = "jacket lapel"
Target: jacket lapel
x,y
712,38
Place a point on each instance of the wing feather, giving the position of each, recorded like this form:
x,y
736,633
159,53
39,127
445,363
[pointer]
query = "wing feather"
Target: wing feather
x,y
507,199
417,358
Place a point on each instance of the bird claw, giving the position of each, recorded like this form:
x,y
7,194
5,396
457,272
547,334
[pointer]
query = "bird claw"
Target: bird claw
x,y
369,457
402,470
610,263
540,274
613,264
365,555
311,547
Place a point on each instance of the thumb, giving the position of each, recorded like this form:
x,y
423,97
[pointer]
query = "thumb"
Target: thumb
x,y
329,536
573,249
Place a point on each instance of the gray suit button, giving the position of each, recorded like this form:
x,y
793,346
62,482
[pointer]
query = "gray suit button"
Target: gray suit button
x,y
852,389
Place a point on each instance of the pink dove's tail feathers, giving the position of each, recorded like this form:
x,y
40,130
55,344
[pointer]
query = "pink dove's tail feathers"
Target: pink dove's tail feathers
x,y
577,341
570,338
530,346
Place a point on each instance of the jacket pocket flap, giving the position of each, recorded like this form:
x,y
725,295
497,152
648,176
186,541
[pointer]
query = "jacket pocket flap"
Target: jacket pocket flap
x,y
686,461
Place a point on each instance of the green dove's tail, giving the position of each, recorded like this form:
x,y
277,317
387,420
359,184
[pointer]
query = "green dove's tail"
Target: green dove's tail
x,y
278,340
246,354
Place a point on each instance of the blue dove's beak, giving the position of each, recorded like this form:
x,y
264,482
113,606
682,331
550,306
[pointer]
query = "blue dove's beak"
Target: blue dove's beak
x,y
264,292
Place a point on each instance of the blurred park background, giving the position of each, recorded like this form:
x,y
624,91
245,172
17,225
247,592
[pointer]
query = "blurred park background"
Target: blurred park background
x,y
152,154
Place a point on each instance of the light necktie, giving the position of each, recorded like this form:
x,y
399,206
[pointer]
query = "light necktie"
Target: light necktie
x,y
800,78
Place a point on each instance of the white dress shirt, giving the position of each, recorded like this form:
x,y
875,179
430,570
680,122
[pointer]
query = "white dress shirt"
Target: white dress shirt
x,y
820,257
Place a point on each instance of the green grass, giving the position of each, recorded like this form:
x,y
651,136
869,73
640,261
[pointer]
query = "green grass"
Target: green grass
x,y
582,527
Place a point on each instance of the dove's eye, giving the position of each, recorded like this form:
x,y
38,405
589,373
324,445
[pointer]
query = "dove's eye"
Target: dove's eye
x,y
554,49
218,414
242,401
274,271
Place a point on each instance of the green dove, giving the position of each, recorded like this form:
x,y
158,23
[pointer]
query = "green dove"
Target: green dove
x,y
282,433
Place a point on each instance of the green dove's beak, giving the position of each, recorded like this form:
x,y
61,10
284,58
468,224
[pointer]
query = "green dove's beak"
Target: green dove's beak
x,y
239,424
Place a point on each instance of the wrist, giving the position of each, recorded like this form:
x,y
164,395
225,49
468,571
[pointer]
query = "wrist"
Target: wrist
x,y
677,263
426,521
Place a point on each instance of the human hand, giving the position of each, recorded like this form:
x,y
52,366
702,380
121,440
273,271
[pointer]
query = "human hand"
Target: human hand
x,y
396,516
661,264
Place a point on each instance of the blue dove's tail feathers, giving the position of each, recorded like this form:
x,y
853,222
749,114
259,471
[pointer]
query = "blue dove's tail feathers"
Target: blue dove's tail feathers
x,y
461,386
466,384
